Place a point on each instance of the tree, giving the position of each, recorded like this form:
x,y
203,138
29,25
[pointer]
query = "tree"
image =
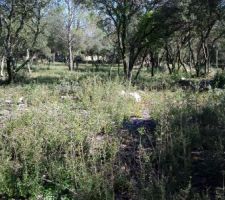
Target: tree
x,y
64,29
2,66
17,18
72,7
203,24
191,44
96,42
121,18
55,32
135,23
2,61
70,21
185,35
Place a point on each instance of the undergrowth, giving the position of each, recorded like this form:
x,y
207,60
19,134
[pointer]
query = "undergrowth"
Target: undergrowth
x,y
68,140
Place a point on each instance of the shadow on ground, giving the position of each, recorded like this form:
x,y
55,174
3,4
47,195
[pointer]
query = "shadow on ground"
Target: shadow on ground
x,y
187,162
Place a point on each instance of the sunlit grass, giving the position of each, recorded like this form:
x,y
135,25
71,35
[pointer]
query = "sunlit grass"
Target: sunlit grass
x,y
62,134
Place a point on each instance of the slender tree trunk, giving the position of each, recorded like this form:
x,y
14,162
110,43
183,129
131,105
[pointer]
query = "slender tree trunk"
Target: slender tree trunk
x,y
125,67
168,60
197,69
148,63
153,63
2,66
130,69
70,58
53,58
69,32
152,70
217,58
77,64
123,37
209,60
9,69
140,68
32,61
190,61
206,58
132,62
181,62
28,58
118,65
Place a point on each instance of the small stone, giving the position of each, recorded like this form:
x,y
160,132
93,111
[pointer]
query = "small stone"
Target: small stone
x,y
136,96
99,138
8,101
21,107
21,100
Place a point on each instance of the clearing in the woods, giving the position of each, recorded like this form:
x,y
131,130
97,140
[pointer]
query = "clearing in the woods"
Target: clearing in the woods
x,y
87,135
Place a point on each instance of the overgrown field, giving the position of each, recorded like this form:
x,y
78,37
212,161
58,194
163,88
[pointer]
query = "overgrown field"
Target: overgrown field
x,y
81,135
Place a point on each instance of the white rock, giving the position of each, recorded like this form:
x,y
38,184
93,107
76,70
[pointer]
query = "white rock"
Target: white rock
x,y
136,96
21,100
8,101
123,93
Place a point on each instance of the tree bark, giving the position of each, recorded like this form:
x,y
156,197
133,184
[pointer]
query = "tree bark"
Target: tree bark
x,y
70,57
2,66
140,68
168,60
153,66
9,69
69,33
125,67
217,58
28,59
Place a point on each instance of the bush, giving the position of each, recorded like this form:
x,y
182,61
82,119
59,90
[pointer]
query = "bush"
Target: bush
x,y
219,80
63,147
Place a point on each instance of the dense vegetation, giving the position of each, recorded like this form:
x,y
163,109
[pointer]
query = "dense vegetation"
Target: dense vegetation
x,y
120,99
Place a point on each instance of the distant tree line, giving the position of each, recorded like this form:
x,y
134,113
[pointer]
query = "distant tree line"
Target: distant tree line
x,y
181,35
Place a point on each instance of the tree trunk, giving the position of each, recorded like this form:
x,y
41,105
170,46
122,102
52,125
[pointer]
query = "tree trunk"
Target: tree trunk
x,y
70,57
2,66
190,62
153,63
197,69
217,59
9,69
28,58
181,63
206,57
130,68
168,60
140,68
118,67
70,20
77,64
53,58
125,68
209,60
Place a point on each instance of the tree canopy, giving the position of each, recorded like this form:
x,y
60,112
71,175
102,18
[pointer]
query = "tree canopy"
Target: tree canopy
x,y
176,34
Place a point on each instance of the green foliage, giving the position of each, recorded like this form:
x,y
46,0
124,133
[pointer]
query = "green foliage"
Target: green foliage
x,y
219,80
53,148
69,141
190,145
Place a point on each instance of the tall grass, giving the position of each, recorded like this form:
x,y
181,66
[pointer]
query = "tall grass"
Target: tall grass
x,y
69,140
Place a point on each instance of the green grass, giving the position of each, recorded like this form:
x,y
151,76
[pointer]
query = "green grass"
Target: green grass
x,y
67,141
